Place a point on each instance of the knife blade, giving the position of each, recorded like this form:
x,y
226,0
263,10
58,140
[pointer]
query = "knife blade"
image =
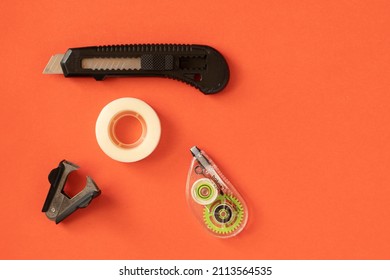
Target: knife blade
x,y
200,66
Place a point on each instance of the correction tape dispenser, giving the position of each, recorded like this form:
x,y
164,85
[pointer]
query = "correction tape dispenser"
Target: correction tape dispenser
x,y
212,198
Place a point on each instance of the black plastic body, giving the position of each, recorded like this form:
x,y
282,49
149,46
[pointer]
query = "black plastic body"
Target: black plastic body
x,y
198,65
58,205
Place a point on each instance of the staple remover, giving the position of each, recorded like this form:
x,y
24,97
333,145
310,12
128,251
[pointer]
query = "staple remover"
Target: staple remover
x,y
59,205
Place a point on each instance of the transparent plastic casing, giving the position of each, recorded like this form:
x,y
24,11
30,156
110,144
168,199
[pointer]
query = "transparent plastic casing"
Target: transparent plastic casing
x,y
225,216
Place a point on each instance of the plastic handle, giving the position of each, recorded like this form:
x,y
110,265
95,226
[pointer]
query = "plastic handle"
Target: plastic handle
x,y
200,66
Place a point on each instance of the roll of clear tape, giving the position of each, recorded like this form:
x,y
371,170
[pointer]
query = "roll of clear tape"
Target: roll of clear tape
x,y
108,140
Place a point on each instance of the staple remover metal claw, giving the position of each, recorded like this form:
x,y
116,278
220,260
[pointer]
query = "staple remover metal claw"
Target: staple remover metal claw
x,y
58,205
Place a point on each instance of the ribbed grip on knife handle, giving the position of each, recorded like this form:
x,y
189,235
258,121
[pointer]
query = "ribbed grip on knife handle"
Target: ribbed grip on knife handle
x,y
146,48
198,65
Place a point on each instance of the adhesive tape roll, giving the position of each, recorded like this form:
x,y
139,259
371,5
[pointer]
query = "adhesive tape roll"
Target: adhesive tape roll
x,y
106,134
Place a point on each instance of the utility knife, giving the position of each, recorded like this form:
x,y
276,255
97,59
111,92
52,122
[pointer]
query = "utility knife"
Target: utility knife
x,y
197,65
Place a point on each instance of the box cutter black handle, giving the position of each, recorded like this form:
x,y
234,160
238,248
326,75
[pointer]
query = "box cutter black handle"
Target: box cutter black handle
x,y
200,66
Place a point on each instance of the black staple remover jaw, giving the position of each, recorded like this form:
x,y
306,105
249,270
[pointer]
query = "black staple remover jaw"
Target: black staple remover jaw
x,y
198,65
58,205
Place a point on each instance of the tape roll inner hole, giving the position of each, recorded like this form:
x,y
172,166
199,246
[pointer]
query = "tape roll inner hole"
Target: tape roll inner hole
x,y
127,129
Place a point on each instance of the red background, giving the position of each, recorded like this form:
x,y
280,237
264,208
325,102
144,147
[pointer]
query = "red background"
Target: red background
x,y
302,130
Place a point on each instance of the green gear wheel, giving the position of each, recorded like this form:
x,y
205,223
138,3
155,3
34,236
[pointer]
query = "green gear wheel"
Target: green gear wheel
x,y
224,215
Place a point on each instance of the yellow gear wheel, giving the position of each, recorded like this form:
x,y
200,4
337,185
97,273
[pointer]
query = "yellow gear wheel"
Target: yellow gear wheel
x,y
224,215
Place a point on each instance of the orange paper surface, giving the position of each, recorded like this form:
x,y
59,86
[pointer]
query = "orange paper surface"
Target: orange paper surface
x,y
302,130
